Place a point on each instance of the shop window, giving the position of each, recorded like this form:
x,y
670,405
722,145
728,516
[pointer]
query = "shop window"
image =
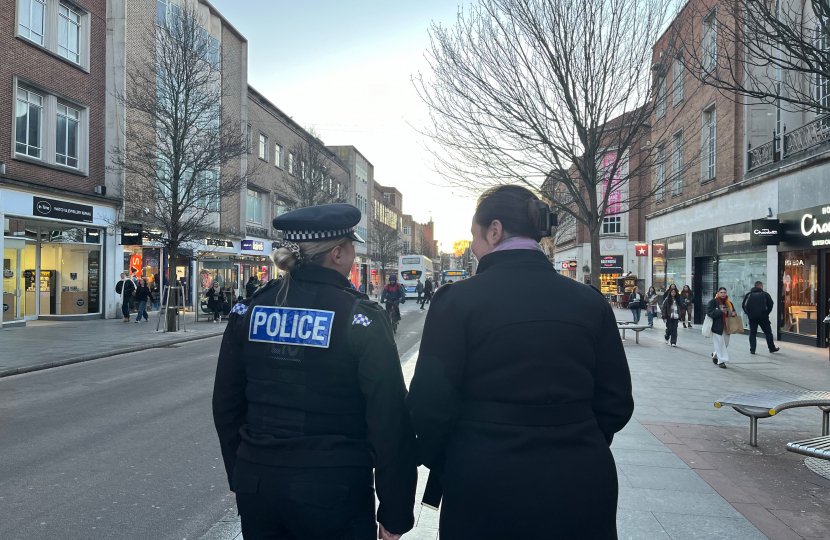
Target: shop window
x,y
658,265
798,292
738,273
69,281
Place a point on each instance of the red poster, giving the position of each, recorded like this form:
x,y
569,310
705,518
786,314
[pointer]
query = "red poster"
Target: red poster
x,y
135,265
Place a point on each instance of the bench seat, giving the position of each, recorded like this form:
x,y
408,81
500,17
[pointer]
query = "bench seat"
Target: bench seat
x,y
817,447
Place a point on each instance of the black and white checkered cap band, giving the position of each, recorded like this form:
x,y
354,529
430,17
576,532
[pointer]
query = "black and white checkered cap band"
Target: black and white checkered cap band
x,y
300,236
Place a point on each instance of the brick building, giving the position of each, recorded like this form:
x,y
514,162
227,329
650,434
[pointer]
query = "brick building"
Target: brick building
x,y
53,207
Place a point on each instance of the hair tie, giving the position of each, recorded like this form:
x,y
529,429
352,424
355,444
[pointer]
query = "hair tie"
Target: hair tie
x,y
293,248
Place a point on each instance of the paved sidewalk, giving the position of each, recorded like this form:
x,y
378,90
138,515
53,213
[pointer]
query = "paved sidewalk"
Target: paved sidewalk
x,y
46,344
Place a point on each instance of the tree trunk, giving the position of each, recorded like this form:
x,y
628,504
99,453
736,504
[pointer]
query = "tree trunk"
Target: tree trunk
x,y
173,296
596,267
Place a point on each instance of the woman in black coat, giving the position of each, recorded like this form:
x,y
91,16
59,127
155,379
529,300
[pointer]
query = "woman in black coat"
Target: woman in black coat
x,y
215,299
251,286
516,398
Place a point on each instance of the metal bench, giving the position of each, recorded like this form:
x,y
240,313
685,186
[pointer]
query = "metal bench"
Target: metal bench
x,y
817,451
637,328
757,405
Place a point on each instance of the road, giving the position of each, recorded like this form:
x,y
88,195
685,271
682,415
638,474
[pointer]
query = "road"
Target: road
x,y
122,447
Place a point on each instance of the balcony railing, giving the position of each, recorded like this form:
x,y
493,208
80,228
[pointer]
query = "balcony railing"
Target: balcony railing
x,y
797,140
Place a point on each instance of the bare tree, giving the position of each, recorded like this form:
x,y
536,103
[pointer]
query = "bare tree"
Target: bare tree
x,y
182,150
536,92
775,51
307,178
385,248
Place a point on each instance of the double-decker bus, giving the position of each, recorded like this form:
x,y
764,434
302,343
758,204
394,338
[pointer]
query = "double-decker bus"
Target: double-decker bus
x,y
411,269
454,275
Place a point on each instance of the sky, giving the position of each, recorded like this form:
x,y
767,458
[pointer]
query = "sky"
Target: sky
x,y
345,68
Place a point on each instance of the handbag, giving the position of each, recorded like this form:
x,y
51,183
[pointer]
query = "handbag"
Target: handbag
x,y
706,330
734,325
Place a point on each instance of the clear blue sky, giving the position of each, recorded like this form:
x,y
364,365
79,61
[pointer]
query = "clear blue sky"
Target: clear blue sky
x,y
344,67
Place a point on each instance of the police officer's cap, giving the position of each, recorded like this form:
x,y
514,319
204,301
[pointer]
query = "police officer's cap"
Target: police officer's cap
x,y
319,223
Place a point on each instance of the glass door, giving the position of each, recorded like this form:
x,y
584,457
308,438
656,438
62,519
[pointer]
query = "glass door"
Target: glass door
x,y
13,297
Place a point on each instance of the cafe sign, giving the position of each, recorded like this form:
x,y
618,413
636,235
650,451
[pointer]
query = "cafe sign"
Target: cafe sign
x,y
806,228
764,232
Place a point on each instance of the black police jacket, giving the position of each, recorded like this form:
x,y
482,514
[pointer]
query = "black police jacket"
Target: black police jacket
x,y
302,406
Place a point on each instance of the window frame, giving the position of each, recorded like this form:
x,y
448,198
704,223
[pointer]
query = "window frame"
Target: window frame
x,y
72,10
250,196
43,25
678,69
612,224
52,21
263,147
661,98
660,174
291,165
709,152
709,45
77,121
249,138
677,164
29,104
278,152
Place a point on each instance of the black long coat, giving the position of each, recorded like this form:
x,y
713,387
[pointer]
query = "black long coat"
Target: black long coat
x,y
516,399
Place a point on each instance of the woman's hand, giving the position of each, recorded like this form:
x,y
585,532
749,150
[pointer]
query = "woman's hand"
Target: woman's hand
x,y
383,534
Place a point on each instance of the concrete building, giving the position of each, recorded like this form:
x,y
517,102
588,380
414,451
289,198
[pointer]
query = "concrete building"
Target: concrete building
x,y
58,254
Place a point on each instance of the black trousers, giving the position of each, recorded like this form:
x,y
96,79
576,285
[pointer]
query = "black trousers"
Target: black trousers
x,y
282,503
671,330
127,307
753,331
426,298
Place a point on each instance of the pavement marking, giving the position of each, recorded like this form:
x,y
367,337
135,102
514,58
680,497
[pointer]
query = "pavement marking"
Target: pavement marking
x,y
411,353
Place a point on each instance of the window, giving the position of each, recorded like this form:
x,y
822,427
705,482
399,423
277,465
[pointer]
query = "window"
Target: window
x,y
677,83
405,246
66,152
254,214
660,172
361,231
361,203
32,15
661,98
611,224
263,147
28,123
278,156
677,164
710,43
69,34
407,230
708,150
249,139
291,164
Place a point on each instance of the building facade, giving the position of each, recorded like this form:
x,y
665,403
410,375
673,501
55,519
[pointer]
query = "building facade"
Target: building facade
x,y
58,249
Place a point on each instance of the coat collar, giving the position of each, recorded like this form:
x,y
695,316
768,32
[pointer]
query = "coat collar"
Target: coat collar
x,y
510,257
321,274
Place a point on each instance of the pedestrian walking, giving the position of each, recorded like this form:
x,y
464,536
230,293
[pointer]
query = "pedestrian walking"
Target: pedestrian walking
x,y
372,289
758,305
427,293
215,300
524,443
263,280
719,310
251,286
653,300
126,288
688,297
668,291
143,296
636,304
673,311
419,290
309,396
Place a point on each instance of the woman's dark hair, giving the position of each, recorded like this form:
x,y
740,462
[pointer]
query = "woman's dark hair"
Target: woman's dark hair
x,y
253,278
514,206
651,289
722,289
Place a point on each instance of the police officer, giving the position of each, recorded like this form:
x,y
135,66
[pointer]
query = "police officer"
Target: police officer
x,y
309,396
516,398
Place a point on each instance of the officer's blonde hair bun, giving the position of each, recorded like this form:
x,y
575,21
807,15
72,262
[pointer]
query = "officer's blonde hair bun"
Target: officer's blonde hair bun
x,y
312,252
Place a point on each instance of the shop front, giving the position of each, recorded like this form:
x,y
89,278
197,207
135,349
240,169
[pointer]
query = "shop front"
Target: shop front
x,y
611,268
53,259
216,261
254,261
804,275
669,263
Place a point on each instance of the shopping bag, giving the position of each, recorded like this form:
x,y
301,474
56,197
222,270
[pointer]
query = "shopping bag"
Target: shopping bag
x,y
707,327
734,325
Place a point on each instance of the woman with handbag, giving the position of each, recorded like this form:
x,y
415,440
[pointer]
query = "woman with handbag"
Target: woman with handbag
x,y
673,311
688,297
724,319
215,299
636,304
652,298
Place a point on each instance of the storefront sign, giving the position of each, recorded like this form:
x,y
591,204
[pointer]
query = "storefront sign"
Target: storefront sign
x,y
54,208
611,264
93,266
564,266
131,235
629,282
135,265
80,302
8,273
28,274
93,236
572,264
764,232
641,250
5,308
806,228
218,243
253,245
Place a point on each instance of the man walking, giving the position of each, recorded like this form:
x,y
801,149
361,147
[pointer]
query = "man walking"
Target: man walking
x,y
427,293
419,288
125,288
757,305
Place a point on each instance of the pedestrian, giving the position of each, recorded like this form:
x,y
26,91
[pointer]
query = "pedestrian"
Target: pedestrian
x,y
126,288
362,288
372,289
419,290
688,297
144,296
636,303
156,293
427,293
215,300
673,311
668,291
523,442
652,298
718,309
251,286
306,408
758,305
263,280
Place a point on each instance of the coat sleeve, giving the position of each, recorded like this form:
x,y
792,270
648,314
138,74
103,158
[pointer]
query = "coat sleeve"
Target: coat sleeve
x,y
229,402
435,391
390,432
713,310
770,303
613,403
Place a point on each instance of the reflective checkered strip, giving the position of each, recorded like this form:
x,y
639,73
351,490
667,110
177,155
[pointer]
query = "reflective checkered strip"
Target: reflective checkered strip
x,y
240,309
362,320
315,235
